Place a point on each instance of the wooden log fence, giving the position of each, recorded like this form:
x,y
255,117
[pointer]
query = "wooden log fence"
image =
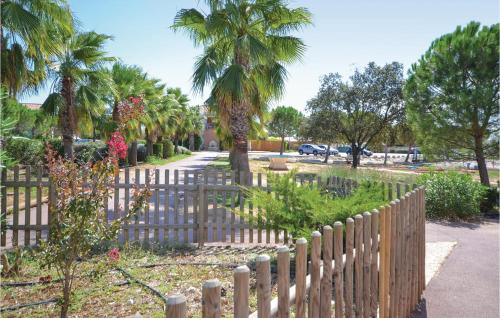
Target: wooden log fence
x,y
371,266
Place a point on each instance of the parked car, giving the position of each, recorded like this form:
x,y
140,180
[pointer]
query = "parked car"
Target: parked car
x,y
309,149
365,152
333,150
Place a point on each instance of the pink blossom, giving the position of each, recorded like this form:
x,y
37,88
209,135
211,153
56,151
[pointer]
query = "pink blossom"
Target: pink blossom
x,y
117,145
114,254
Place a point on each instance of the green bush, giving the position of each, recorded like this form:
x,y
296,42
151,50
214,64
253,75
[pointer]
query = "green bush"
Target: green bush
x,y
168,149
25,151
141,153
158,150
302,209
451,195
57,145
490,200
90,151
183,150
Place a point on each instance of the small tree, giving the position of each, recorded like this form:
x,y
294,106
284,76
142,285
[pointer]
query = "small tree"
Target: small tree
x,y
319,128
360,109
452,94
285,122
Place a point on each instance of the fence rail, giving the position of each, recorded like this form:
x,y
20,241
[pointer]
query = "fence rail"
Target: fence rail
x,y
195,206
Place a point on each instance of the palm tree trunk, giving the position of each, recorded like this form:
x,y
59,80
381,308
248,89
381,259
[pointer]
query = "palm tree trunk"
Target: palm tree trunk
x,y
67,117
191,141
176,145
132,157
239,129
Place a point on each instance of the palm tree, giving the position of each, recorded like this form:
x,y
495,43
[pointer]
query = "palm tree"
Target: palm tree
x,y
246,46
195,125
182,104
27,42
79,78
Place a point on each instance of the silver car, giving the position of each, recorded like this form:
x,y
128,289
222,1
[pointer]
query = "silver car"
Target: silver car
x,y
310,149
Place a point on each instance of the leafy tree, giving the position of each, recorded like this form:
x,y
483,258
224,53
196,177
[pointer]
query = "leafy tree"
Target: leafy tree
x,y
26,30
361,108
285,122
452,94
321,129
78,80
247,44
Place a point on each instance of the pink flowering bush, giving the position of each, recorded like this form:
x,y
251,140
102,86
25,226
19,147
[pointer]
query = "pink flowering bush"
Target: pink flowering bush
x,y
114,255
117,146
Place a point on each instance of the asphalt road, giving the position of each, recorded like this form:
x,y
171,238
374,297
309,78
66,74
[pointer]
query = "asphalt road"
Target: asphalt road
x,y
467,284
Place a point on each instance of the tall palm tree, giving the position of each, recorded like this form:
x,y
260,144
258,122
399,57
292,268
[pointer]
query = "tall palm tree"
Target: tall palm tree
x,y
27,42
79,76
182,105
246,46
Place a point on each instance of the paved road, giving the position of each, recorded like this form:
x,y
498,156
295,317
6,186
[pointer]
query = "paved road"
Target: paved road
x,y
467,285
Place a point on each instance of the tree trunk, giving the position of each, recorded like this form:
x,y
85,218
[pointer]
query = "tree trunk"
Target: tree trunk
x,y
66,294
132,157
115,115
239,127
408,153
191,142
481,160
386,150
327,154
176,145
149,147
355,156
282,146
67,117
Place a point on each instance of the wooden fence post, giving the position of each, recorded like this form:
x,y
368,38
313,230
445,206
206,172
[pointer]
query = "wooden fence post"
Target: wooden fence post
x,y
314,300
338,279
201,217
358,265
366,264
263,264
283,282
211,299
300,277
374,263
241,291
393,257
3,198
176,306
326,280
349,261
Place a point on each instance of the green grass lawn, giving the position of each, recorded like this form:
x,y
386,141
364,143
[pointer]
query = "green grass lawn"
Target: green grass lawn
x,y
153,160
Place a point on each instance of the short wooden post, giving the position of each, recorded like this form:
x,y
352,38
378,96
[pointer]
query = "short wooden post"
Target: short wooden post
x,y
27,206
176,306
349,262
211,299
326,280
283,282
358,264
314,290
367,264
241,291
263,264
393,258
300,277
338,256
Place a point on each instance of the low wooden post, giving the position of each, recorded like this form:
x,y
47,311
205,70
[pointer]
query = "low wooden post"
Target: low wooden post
x,y
314,290
241,291
349,262
283,282
338,256
263,264
374,262
211,299
176,306
326,280
393,258
300,277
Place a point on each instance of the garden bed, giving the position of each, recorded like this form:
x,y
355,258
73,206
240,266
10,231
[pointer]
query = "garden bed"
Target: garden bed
x,y
110,293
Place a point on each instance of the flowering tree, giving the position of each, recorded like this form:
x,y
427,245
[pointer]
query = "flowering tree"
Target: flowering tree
x,y
79,221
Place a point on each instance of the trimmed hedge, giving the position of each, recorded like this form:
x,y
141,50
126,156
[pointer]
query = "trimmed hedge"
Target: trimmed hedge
x,y
168,149
158,150
141,153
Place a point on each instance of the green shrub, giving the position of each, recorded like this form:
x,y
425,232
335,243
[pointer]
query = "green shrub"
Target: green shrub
x,y
141,153
158,150
302,209
57,145
183,150
25,151
168,149
90,151
451,195
490,200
